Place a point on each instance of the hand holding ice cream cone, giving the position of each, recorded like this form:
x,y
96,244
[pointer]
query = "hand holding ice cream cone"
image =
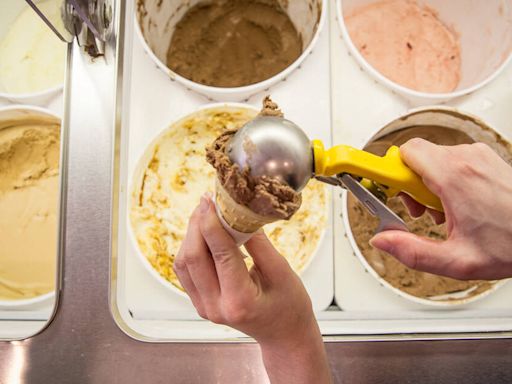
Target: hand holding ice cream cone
x,y
245,203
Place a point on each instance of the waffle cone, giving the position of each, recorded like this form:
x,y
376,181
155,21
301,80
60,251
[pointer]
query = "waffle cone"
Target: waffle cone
x,y
238,216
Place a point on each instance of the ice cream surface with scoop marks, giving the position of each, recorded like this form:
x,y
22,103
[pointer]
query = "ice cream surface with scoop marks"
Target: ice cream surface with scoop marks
x,y
363,224
233,43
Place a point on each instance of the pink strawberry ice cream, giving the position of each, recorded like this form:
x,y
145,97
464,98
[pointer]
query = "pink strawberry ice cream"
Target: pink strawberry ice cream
x,y
407,43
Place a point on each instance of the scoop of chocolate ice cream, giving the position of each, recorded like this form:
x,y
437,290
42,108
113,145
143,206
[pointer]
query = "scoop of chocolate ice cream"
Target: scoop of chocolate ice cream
x,y
264,195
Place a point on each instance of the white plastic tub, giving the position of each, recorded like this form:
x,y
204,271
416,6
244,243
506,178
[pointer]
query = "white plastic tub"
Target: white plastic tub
x,y
137,179
159,23
449,118
38,97
484,29
10,115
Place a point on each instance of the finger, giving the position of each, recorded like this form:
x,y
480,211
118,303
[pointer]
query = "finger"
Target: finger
x,y
269,261
438,217
231,269
181,270
189,287
426,159
199,261
416,252
415,209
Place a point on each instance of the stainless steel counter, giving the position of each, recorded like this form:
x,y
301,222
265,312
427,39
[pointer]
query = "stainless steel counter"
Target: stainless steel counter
x,y
84,344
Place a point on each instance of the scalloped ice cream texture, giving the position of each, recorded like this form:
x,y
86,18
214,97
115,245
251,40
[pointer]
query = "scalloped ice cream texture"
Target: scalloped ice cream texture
x,y
233,43
408,44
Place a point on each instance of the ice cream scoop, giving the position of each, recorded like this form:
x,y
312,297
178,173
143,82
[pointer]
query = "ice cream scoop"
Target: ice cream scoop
x,y
274,146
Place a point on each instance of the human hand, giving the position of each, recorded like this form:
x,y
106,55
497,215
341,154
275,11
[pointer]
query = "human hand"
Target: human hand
x,y
475,187
268,302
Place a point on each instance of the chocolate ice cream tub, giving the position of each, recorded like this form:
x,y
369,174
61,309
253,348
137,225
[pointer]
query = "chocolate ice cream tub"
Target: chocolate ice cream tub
x,y
229,50
445,126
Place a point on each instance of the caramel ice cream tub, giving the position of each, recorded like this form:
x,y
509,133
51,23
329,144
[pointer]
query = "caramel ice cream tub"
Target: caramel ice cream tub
x,y
29,196
443,126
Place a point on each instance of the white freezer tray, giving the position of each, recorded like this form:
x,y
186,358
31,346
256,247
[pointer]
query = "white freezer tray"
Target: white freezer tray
x,y
335,101
361,106
156,102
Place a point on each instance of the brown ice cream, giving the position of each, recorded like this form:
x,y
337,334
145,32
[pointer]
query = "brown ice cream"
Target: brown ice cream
x,y
434,134
263,195
233,43
416,283
363,225
29,180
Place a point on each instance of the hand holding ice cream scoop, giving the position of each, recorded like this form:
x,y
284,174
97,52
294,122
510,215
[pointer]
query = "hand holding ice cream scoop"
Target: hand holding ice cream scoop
x,y
263,166
276,147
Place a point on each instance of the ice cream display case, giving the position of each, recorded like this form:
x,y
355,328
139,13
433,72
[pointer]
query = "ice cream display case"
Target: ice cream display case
x,y
163,172
135,128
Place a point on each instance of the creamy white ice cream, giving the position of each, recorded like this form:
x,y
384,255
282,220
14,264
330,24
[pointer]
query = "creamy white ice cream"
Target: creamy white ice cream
x,y
32,58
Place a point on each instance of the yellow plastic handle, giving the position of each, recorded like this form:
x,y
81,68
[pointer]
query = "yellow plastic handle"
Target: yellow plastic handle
x,y
389,170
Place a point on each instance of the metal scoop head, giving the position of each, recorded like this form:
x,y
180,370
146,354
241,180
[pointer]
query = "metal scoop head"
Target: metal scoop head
x,y
276,147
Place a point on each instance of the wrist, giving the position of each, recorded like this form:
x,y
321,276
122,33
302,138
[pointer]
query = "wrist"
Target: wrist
x,y
301,338
298,359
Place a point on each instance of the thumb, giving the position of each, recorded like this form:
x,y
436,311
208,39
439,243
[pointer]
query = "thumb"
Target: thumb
x,y
268,260
414,251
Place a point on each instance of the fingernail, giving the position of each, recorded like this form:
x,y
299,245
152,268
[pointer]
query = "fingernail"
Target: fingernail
x,y
204,204
382,243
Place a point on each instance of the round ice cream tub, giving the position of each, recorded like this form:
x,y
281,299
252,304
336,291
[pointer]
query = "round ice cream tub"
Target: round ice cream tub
x,y
484,30
156,23
8,17
13,113
443,117
136,180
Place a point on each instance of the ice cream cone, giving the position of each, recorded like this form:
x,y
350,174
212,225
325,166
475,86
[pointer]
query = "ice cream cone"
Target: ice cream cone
x,y
237,216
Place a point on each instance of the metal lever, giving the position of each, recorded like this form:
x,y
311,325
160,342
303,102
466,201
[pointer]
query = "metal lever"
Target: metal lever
x,y
59,27
388,220
90,21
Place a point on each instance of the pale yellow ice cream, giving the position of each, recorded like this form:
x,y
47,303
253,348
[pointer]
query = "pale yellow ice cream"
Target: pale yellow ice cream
x,y
32,58
29,178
